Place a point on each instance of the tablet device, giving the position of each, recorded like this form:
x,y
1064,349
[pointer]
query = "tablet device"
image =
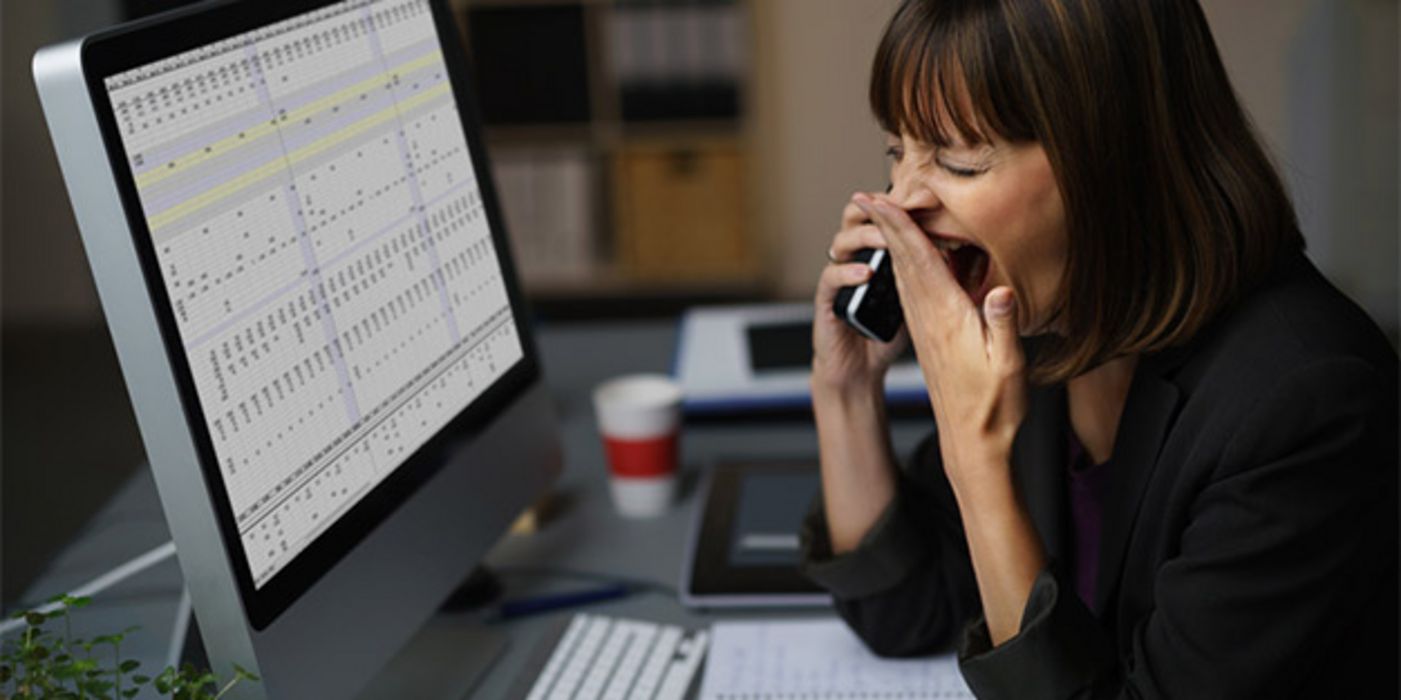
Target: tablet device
x,y
756,359
743,548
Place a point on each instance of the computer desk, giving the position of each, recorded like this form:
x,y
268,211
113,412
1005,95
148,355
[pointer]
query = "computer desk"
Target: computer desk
x,y
583,534
587,535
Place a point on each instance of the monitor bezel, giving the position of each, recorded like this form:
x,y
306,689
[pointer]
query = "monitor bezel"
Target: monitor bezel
x,y
139,43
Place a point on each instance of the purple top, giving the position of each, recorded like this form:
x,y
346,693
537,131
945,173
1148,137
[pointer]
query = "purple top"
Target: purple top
x,y
1086,483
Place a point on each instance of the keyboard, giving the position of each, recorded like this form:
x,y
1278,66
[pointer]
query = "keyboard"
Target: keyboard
x,y
609,658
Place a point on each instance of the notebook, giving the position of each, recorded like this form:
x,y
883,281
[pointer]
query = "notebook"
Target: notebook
x,y
816,660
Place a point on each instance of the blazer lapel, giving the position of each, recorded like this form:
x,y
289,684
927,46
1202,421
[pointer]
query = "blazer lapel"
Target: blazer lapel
x,y
1038,459
1151,404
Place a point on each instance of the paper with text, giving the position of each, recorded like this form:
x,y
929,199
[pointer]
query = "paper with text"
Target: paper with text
x,y
814,660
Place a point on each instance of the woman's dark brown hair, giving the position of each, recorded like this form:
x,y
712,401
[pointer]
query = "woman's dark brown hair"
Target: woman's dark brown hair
x,y
1173,208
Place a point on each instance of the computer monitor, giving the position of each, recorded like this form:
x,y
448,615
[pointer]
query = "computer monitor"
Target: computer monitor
x,y
289,216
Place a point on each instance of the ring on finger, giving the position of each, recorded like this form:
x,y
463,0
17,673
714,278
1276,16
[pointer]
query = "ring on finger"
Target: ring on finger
x,y
831,257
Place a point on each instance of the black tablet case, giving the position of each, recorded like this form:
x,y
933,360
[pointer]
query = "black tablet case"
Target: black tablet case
x,y
768,498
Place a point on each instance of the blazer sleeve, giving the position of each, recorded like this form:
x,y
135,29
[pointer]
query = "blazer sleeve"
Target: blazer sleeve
x,y
1276,563
907,588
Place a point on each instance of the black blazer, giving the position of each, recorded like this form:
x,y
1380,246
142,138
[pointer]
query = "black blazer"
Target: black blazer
x,y
1249,537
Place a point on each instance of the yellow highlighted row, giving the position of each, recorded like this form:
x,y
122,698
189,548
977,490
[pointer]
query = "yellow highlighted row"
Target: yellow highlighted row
x,y
251,134
310,150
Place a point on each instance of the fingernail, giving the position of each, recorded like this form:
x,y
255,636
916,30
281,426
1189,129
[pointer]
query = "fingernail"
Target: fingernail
x,y
1000,304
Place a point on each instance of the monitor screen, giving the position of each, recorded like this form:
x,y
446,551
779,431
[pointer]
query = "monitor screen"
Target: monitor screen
x,y
315,215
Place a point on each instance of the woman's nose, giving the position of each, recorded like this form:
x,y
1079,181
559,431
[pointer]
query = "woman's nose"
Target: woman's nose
x,y
911,194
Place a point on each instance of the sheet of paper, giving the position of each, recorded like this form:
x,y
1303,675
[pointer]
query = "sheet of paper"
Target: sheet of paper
x,y
816,659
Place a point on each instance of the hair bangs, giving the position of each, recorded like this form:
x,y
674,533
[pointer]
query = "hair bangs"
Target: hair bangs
x,y
937,77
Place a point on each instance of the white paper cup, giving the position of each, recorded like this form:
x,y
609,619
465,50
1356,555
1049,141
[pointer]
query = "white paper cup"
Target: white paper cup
x,y
639,417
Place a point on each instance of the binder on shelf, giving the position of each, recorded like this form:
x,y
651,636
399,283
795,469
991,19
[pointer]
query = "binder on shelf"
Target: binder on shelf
x,y
531,63
548,199
678,60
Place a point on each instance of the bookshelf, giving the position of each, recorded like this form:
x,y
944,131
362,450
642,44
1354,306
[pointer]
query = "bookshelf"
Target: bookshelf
x,y
619,136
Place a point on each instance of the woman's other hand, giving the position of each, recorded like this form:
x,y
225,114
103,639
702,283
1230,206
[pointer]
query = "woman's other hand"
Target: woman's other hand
x,y
971,358
843,360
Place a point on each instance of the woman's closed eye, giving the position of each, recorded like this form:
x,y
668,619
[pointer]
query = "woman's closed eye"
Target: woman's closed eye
x,y
959,170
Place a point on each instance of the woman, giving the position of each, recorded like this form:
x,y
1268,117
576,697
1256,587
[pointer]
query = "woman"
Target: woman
x,y
1186,484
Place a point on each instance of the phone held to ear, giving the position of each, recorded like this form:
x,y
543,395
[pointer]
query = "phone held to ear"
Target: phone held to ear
x,y
873,308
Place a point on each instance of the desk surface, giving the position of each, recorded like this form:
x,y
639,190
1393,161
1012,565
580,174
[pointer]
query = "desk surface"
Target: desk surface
x,y
584,535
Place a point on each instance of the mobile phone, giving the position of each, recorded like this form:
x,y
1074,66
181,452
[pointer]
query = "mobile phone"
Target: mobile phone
x,y
872,308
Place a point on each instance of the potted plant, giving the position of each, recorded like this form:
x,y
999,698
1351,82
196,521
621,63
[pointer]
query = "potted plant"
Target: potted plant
x,y
42,663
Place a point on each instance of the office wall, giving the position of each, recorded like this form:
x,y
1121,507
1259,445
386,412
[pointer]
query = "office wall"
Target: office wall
x,y
67,435
45,276
1319,78
814,140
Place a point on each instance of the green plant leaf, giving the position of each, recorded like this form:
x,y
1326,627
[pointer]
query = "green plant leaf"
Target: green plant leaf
x,y
65,671
128,666
140,679
165,681
245,674
34,619
85,665
96,685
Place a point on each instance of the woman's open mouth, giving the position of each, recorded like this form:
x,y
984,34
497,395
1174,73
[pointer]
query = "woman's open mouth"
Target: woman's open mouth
x,y
968,263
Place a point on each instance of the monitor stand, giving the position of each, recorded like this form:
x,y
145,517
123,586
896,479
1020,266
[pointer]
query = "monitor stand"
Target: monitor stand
x,y
449,654
446,658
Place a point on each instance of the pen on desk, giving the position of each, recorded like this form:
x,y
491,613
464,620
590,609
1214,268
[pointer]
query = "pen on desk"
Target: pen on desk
x,y
537,604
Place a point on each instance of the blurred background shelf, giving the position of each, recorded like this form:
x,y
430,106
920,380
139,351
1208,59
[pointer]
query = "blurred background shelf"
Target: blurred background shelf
x,y
620,142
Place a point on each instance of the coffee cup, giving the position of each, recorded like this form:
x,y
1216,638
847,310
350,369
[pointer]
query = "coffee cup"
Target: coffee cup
x,y
639,417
